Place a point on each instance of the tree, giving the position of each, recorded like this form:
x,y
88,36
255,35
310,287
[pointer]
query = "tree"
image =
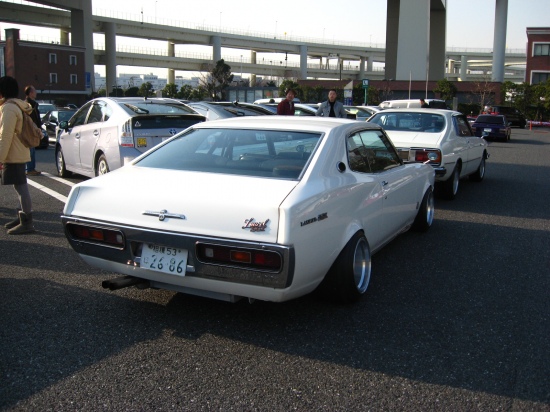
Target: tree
x,y
146,90
131,92
446,89
484,92
117,92
170,90
290,84
185,92
217,80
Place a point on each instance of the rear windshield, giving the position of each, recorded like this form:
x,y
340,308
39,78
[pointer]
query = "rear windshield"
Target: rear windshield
x,y
164,122
490,119
410,122
148,107
263,153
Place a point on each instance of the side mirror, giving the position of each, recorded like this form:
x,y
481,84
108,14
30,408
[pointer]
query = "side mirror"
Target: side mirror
x,y
64,125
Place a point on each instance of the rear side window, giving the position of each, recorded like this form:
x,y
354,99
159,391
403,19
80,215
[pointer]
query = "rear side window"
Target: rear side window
x,y
462,126
370,152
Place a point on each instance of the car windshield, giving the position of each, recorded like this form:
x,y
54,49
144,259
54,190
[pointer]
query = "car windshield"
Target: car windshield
x,y
65,115
149,107
263,153
490,119
44,108
410,122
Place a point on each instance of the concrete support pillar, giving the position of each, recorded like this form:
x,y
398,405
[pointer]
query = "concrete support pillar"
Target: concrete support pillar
x,y
463,68
369,63
320,62
82,35
303,61
110,54
252,61
450,66
362,68
413,47
499,41
171,72
217,48
436,63
64,36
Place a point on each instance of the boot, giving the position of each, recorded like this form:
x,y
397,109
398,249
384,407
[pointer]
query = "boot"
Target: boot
x,y
12,223
25,225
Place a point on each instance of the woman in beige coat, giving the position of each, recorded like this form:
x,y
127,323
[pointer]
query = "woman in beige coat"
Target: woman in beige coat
x,y
13,154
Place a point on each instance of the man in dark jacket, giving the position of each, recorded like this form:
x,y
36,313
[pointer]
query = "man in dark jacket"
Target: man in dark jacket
x,y
332,107
30,92
286,106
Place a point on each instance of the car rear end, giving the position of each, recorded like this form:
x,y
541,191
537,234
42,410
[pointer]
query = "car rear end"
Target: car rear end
x,y
491,126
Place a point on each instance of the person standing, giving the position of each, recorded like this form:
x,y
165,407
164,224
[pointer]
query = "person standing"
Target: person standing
x,y
30,92
332,107
286,106
13,154
423,104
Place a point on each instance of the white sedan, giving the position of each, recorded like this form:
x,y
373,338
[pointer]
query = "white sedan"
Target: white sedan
x,y
443,138
257,207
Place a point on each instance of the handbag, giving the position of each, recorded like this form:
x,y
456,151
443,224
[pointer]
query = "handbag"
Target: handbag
x,y
30,134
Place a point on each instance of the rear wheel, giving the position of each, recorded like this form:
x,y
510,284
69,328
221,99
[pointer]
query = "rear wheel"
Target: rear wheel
x,y
60,164
425,215
449,188
102,167
480,172
349,277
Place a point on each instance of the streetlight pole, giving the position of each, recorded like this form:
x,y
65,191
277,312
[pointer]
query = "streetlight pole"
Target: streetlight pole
x,y
241,67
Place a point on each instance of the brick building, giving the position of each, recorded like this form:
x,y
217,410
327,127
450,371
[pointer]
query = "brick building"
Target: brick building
x,y
538,55
57,71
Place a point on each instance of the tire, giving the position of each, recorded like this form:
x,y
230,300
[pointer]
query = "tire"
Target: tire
x,y
449,188
425,216
102,167
349,276
60,163
480,172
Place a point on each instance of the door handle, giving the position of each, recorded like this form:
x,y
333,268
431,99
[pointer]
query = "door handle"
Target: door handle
x,y
384,183
77,136
96,132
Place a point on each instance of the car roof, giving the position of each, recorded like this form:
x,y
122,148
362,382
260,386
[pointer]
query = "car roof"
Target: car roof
x,y
296,123
417,110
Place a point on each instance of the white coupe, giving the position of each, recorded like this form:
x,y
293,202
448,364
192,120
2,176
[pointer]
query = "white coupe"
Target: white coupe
x,y
265,207
443,138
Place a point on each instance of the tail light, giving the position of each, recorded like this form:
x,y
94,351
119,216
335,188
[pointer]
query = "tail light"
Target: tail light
x,y
431,156
255,259
97,235
126,138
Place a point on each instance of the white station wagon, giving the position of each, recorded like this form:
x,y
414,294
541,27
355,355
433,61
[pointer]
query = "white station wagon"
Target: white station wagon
x,y
263,207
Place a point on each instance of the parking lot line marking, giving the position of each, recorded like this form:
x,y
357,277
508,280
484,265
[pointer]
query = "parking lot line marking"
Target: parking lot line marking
x,y
50,192
59,179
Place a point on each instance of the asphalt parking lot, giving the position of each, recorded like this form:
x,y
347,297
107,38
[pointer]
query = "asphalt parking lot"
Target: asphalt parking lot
x,y
454,319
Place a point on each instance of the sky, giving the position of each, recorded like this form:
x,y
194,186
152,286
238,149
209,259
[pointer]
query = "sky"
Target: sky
x,y
470,23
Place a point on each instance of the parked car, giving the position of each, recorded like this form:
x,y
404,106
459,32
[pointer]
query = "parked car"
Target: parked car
x,y
442,138
109,132
360,113
371,109
412,103
45,107
50,121
492,126
513,115
225,110
252,207
300,109
274,100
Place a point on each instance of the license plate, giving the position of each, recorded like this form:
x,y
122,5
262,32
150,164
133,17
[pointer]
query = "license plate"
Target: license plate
x,y
141,142
487,130
164,259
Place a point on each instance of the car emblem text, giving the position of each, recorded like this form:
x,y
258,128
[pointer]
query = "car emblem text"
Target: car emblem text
x,y
255,226
163,214
173,131
322,216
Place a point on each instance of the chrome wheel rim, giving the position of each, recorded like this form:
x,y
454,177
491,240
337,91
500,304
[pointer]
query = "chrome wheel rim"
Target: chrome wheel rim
x,y
102,168
482,168
455,182
60,165
430,209
361,265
